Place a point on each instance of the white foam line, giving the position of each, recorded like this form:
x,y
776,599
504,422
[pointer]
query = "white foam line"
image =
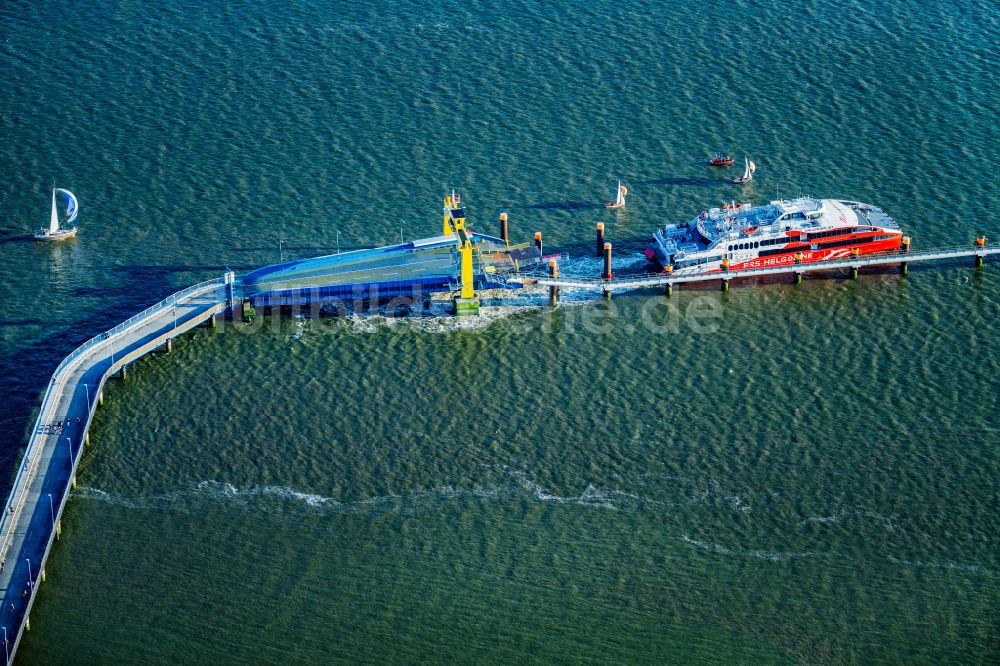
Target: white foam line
x,y
839,517
954,566
767,555
592,496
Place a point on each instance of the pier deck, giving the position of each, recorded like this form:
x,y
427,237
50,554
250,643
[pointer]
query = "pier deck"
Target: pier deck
x,y
31,518
32,514
664,279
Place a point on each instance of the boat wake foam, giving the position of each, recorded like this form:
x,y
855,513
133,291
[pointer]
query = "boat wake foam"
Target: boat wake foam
x,y
591,267
847,514
511,484
496,304
767,555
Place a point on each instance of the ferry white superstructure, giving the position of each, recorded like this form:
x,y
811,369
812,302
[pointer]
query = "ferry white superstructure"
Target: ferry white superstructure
x,y
803,230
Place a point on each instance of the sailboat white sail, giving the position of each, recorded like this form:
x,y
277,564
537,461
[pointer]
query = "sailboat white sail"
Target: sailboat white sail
x,y
619,201
749,168
54,219
54,232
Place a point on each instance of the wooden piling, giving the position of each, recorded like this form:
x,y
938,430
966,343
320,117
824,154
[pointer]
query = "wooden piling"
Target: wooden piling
x,y
553,289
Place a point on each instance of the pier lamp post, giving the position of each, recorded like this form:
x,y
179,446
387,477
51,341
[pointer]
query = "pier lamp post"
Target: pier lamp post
x,y
87,386
6,650
281,252
338,241
70,443
31,578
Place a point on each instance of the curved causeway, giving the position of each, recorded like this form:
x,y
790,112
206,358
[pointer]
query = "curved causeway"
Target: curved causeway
x,y
31,518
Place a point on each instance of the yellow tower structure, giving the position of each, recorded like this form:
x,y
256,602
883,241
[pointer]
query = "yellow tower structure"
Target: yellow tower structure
x,y
454,223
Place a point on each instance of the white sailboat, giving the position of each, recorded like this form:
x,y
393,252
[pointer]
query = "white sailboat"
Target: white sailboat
x,y
619,201
55,232
747,172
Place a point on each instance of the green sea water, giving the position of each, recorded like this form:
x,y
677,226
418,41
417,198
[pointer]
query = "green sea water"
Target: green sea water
x,y
778,474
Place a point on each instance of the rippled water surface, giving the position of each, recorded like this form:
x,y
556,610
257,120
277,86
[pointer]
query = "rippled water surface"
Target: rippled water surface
x,y
779,474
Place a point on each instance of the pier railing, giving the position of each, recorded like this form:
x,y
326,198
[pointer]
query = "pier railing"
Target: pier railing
x,y
25,471
641,280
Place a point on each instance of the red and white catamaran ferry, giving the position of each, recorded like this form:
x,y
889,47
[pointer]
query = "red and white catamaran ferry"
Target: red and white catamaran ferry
x,y
775,234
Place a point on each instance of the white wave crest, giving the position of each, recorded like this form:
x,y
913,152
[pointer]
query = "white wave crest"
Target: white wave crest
x,y
767,555
841,516
510,484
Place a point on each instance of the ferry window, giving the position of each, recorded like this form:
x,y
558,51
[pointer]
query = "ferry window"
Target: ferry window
x,y
756,245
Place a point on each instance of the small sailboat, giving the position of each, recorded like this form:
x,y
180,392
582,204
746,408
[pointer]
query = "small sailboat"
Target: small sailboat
x,y
747,172
55,232
721,159
619,202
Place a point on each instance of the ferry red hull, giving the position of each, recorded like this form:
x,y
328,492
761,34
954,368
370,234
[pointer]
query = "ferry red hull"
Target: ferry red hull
x,y
813,256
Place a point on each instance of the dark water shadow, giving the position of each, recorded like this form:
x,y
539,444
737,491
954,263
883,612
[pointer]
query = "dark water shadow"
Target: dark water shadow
x,y
319,250
20,322
161,270
17,239
687,181
135,288
561,205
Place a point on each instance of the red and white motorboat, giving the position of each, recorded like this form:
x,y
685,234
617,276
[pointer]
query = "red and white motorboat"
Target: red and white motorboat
x,y
721,159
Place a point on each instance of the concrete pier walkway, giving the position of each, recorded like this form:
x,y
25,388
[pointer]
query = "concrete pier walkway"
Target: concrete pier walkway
x,y
790,268
31,518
